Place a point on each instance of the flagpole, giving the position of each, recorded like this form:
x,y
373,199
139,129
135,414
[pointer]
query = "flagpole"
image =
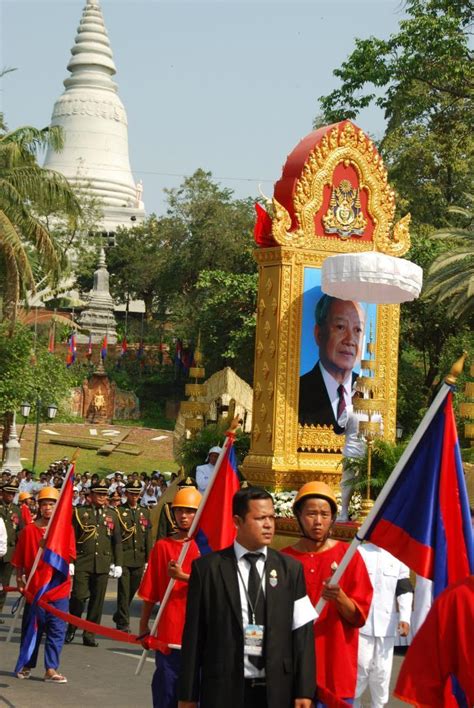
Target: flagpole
x,y
228,442
40,551
389,484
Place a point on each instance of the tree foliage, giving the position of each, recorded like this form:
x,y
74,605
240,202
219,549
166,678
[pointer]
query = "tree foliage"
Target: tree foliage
x,y
27,191
451,274
29,372
193,267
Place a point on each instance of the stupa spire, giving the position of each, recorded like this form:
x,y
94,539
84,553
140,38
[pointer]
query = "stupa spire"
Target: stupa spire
x,y
94,122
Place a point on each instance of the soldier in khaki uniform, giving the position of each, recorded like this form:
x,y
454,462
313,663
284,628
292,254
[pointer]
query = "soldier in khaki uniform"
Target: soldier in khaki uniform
x,y
135,527
11,515
99,554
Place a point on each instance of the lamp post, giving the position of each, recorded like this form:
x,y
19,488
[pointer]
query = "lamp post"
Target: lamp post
x,y
51,413
399,431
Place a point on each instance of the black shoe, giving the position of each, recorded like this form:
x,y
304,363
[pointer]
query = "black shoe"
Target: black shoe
x,y
70,634
123,629
90,642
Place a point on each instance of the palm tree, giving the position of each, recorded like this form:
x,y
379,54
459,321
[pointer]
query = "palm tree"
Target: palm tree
x,y
27,191
451,275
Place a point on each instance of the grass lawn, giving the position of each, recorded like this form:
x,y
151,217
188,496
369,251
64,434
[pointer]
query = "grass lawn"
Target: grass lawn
x,y
155,454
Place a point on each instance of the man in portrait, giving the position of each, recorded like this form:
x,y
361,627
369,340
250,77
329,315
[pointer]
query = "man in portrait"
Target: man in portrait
x,y
326,390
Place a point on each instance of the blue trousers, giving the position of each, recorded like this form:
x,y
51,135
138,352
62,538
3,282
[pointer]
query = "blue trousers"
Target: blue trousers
x,y
54,629
164,685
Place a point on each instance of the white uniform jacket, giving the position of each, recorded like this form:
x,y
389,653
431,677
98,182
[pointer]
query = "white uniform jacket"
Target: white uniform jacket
x,y
385,571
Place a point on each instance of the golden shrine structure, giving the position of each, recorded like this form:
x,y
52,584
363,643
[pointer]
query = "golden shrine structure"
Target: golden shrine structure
x,y
332,197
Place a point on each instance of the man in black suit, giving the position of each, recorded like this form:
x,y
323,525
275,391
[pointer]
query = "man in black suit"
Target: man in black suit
x,y
325,391
248,639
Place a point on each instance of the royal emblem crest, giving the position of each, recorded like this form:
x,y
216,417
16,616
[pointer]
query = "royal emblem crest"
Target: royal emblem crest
x,y
344,216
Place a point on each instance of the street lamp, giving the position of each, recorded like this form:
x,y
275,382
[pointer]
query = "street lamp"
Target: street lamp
x,y
25,410
399,431
51,411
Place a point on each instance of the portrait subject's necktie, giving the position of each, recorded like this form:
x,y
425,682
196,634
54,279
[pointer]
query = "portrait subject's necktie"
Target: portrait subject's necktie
x,y
341,404
256,600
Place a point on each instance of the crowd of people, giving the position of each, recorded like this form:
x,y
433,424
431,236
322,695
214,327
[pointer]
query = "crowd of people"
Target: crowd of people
x,y
239,626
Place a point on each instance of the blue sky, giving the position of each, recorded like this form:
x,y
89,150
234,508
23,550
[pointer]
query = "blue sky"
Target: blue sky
x,y
228,86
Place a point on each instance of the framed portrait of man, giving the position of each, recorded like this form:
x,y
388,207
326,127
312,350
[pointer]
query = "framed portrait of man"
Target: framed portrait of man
x,y
334,334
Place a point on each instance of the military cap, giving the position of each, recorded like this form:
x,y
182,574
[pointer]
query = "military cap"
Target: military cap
x,y
100,487
134,487
11,486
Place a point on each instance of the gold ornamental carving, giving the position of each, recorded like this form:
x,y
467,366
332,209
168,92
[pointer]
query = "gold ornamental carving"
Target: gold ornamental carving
x,y
344,216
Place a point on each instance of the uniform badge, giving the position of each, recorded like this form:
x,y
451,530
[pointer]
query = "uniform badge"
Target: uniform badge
x,y
273,579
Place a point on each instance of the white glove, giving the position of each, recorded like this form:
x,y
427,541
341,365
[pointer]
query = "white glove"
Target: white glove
x,y
112,571
117,572
71,569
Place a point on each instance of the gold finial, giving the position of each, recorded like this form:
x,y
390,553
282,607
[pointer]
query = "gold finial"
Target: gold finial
x,y
197,352
456,370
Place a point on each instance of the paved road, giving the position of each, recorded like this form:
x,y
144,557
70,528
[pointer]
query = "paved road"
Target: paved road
x,y
102,677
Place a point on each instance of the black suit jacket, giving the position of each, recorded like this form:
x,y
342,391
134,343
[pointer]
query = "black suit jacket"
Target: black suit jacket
x,y
212,669
314,406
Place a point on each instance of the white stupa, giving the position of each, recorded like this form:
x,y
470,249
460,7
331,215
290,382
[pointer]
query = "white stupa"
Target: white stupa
x,y
94,122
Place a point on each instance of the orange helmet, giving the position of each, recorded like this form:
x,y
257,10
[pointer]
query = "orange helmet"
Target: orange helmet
x,y
187,497
48,493
23,496
316,489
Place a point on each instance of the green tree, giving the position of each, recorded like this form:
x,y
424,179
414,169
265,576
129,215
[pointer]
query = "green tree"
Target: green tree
x,y
227,320
26,191
451,274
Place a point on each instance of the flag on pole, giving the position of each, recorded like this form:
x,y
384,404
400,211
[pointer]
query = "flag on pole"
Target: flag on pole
x,y
425,519
53,567
103,351
89,347
123,349
71,350
216,528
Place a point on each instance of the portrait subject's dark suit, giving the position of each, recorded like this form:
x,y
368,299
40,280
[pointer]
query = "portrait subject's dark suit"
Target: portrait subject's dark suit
x,y
314,406
212,669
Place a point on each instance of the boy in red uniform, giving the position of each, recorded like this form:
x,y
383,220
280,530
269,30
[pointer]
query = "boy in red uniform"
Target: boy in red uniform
x,y
336,630
23,559
162,566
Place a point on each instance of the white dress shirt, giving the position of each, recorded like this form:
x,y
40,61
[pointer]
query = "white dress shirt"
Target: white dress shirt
x,y
250,671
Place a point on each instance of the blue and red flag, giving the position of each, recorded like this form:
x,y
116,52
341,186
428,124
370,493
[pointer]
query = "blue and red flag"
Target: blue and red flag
x,y
103,351
53,566
123,349
216,528
71,350
425,520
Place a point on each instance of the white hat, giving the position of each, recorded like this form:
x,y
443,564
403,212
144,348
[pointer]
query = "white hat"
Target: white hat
x,y
215,449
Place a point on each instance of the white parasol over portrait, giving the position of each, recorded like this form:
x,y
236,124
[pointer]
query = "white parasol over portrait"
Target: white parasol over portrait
x,y
371,277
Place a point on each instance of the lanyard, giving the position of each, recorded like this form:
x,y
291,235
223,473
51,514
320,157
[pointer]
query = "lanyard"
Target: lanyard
x,y
252,607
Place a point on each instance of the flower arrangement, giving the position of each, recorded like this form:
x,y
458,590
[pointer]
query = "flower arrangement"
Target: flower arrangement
x,y
283,502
